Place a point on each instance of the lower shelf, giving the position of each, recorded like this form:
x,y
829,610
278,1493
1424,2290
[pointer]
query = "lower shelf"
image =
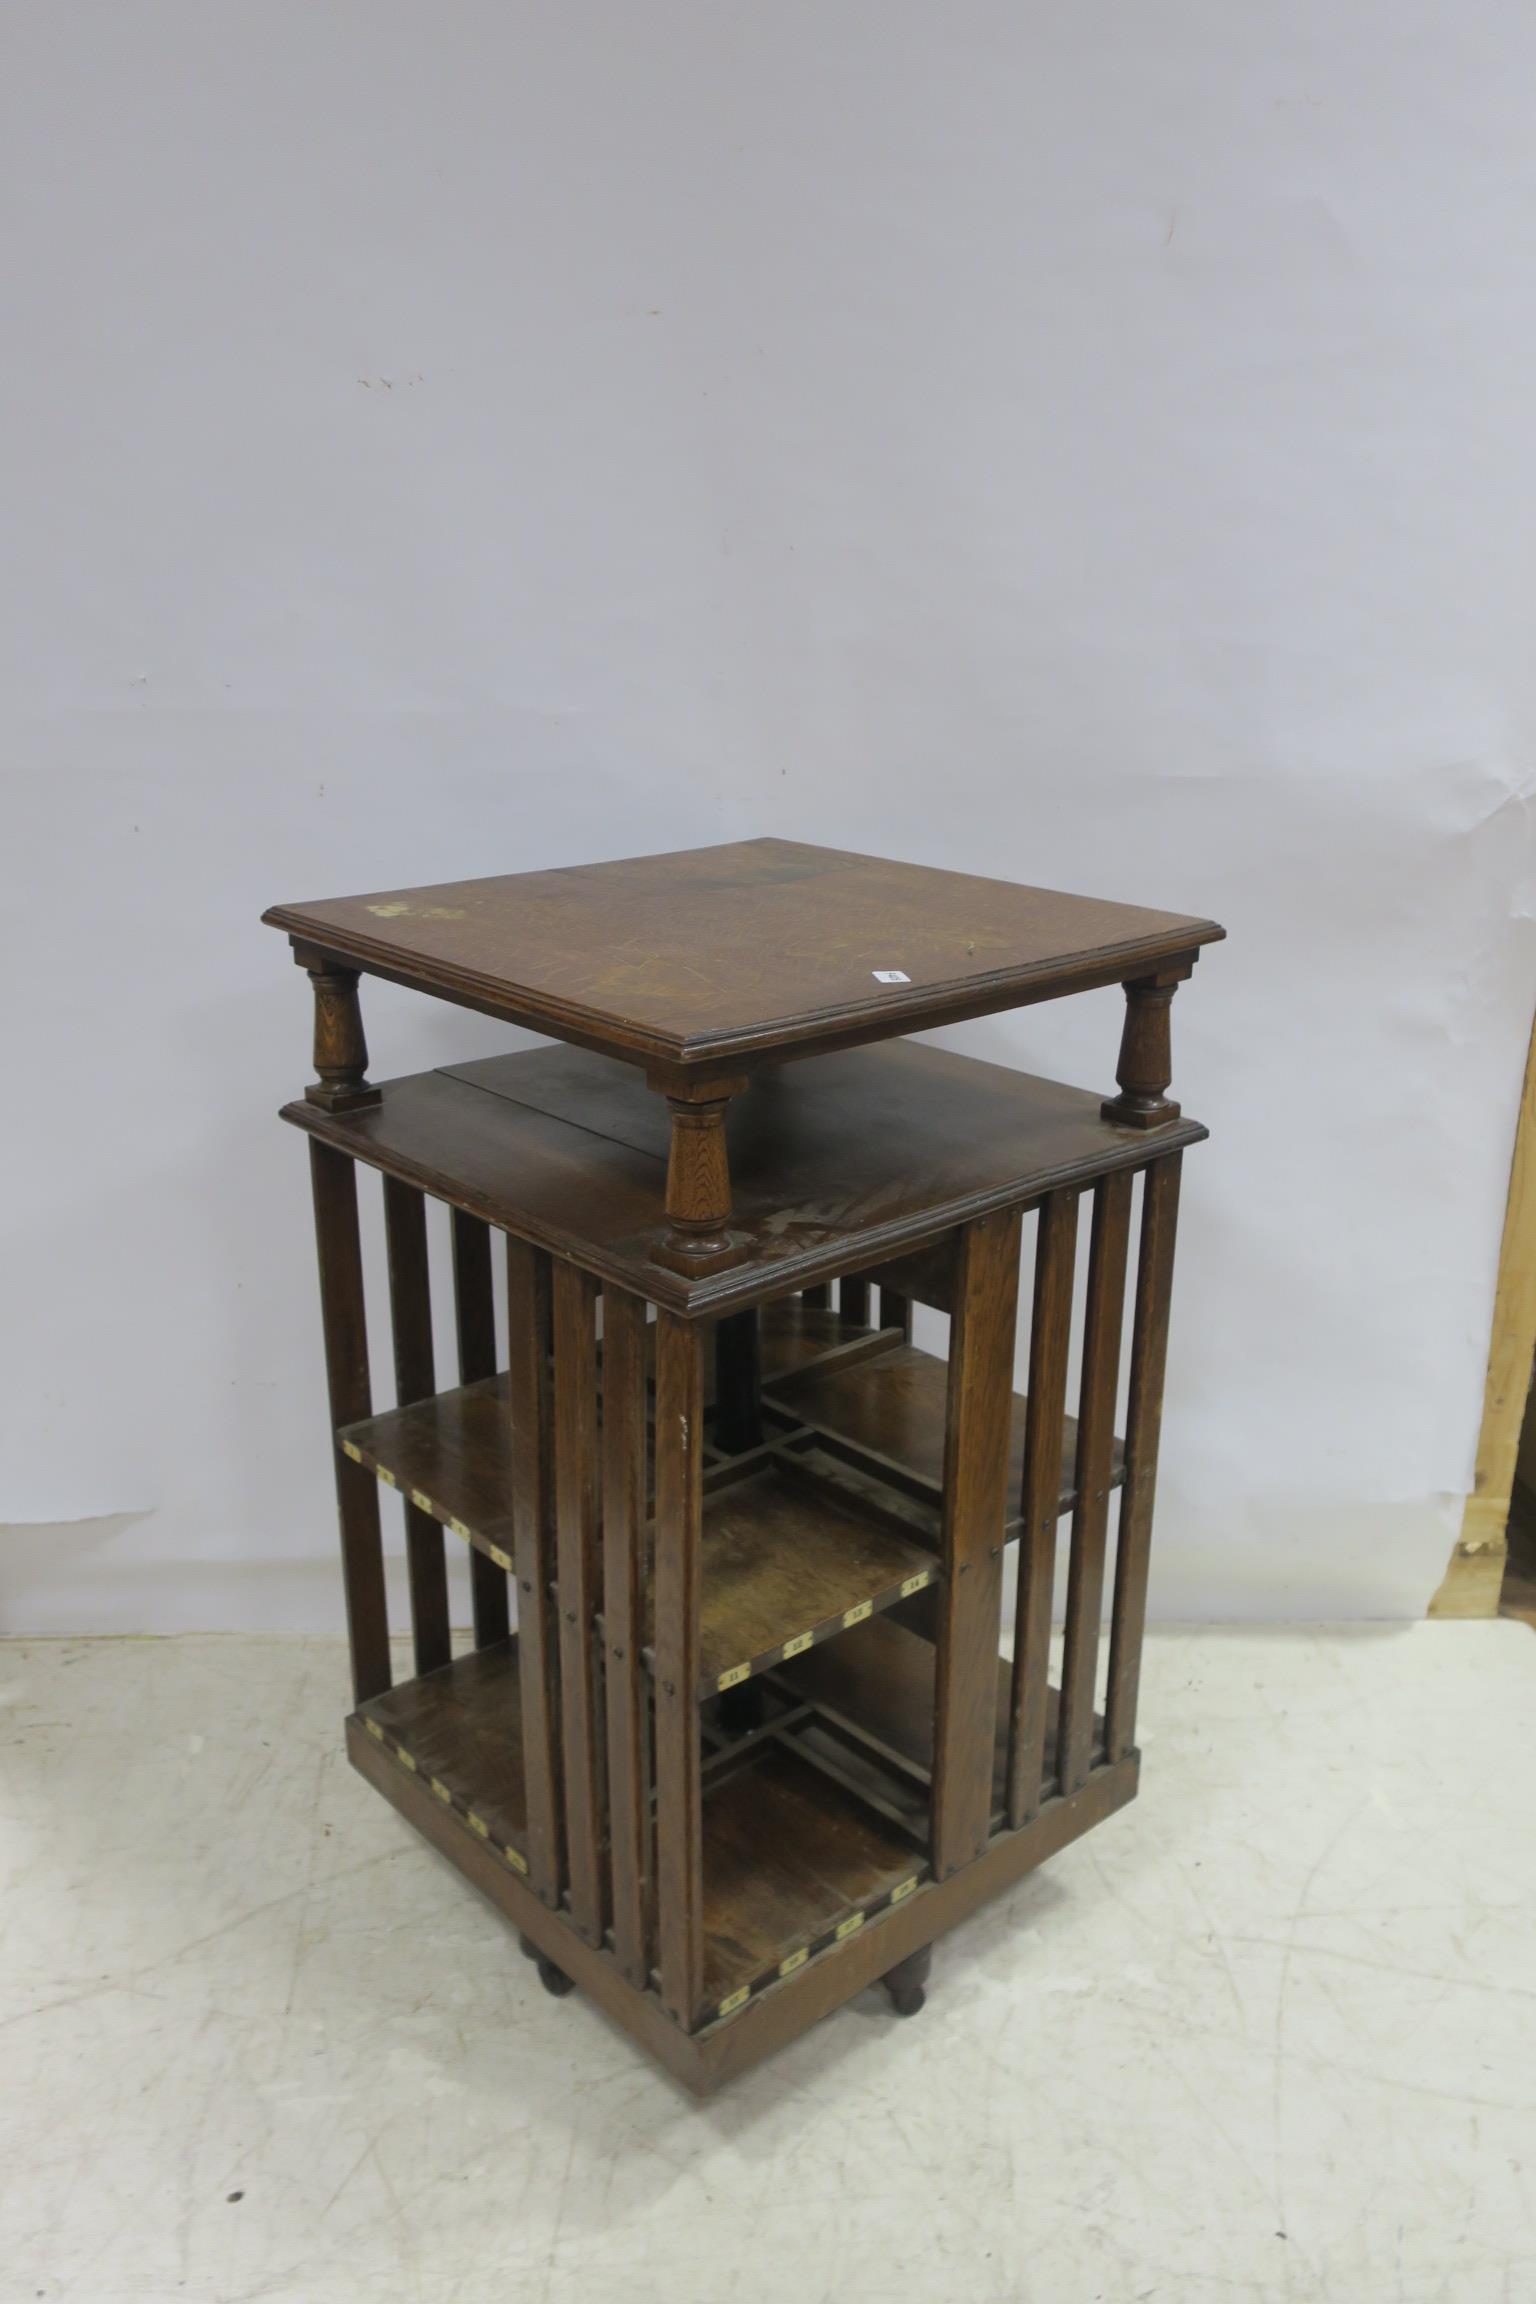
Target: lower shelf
x,y
876,1684
460,1729
791,1863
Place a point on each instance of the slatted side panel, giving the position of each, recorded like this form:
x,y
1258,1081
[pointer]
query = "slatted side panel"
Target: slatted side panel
x,y
1095,1445
1050,1341
1149,1359
475,1321
679,1794
410,1311
577,1569
530,1325
340,1258
975,1505
625,1448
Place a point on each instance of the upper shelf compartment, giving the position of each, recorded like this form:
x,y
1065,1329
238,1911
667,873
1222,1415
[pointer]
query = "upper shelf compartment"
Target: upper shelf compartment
x,y
836,1164
891,1412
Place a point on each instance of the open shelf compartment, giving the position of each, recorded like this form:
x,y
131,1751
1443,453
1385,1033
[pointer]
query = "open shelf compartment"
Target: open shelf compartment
x,y
460,1731
890,1413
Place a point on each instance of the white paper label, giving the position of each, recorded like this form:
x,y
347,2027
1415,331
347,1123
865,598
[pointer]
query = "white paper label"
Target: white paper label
x,y
890,976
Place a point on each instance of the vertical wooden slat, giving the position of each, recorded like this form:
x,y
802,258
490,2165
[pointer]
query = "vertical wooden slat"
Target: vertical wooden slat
x,y
853,1301
976,1451
1149,1360
410,1312
475,1321
1050,1338
1095,1446
738,1382
340,1257
576,1575
531,1409
679,1795
895,1312
624,1521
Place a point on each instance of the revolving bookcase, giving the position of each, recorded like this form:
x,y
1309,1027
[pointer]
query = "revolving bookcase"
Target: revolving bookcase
x,y
737,1734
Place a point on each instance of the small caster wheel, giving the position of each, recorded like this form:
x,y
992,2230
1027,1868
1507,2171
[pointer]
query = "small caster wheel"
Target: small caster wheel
x,y
906,1980
553,1979
527,1947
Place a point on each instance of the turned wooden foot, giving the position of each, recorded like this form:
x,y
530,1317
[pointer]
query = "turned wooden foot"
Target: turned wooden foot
x,y
553,1979
906,1980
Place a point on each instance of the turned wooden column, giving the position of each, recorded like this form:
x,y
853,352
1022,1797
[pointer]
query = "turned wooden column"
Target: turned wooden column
x,y
1146,1051
698,1238
341,1052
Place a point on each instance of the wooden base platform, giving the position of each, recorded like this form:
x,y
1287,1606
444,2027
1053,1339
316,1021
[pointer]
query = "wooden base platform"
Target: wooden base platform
x,y
842,1964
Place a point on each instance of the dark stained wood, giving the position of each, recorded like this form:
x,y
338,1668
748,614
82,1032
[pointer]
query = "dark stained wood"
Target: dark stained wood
x,y
896,1312
578,1568
834,1165
793,1333
461,1731
341,1052
698,1238
975,1504
523,1469
753,1742
788,1860
1149,1359
451,1455
738,1383
926,1276
894,1406
1095,1437
410,1305
853,1300
781,2013
475,1322
1146,1052
796,938
346,1367
789,1558
678,1572
1040,1503
878,1683
625,1488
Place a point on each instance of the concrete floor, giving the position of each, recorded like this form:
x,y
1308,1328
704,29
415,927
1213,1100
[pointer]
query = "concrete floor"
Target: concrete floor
x,y
1270,2034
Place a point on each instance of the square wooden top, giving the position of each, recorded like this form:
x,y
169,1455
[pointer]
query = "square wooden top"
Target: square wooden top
x,y
711,957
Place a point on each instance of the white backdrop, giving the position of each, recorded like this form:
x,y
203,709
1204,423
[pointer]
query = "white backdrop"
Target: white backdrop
x,y
1089,445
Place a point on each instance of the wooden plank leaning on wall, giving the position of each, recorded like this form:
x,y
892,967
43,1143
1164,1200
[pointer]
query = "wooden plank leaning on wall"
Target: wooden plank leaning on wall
x,y
1476,1573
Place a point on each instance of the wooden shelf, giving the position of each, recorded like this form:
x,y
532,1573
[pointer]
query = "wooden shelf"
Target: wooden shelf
x,y
878,1684
788,1562
891,1412
460,1730
451,1454
789,1559
792,1864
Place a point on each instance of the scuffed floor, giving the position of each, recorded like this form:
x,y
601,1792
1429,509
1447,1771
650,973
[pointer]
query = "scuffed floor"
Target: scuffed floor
x,y
1270,2034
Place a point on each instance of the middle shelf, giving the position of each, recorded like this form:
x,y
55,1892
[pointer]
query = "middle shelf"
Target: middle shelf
x,y
834,1519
